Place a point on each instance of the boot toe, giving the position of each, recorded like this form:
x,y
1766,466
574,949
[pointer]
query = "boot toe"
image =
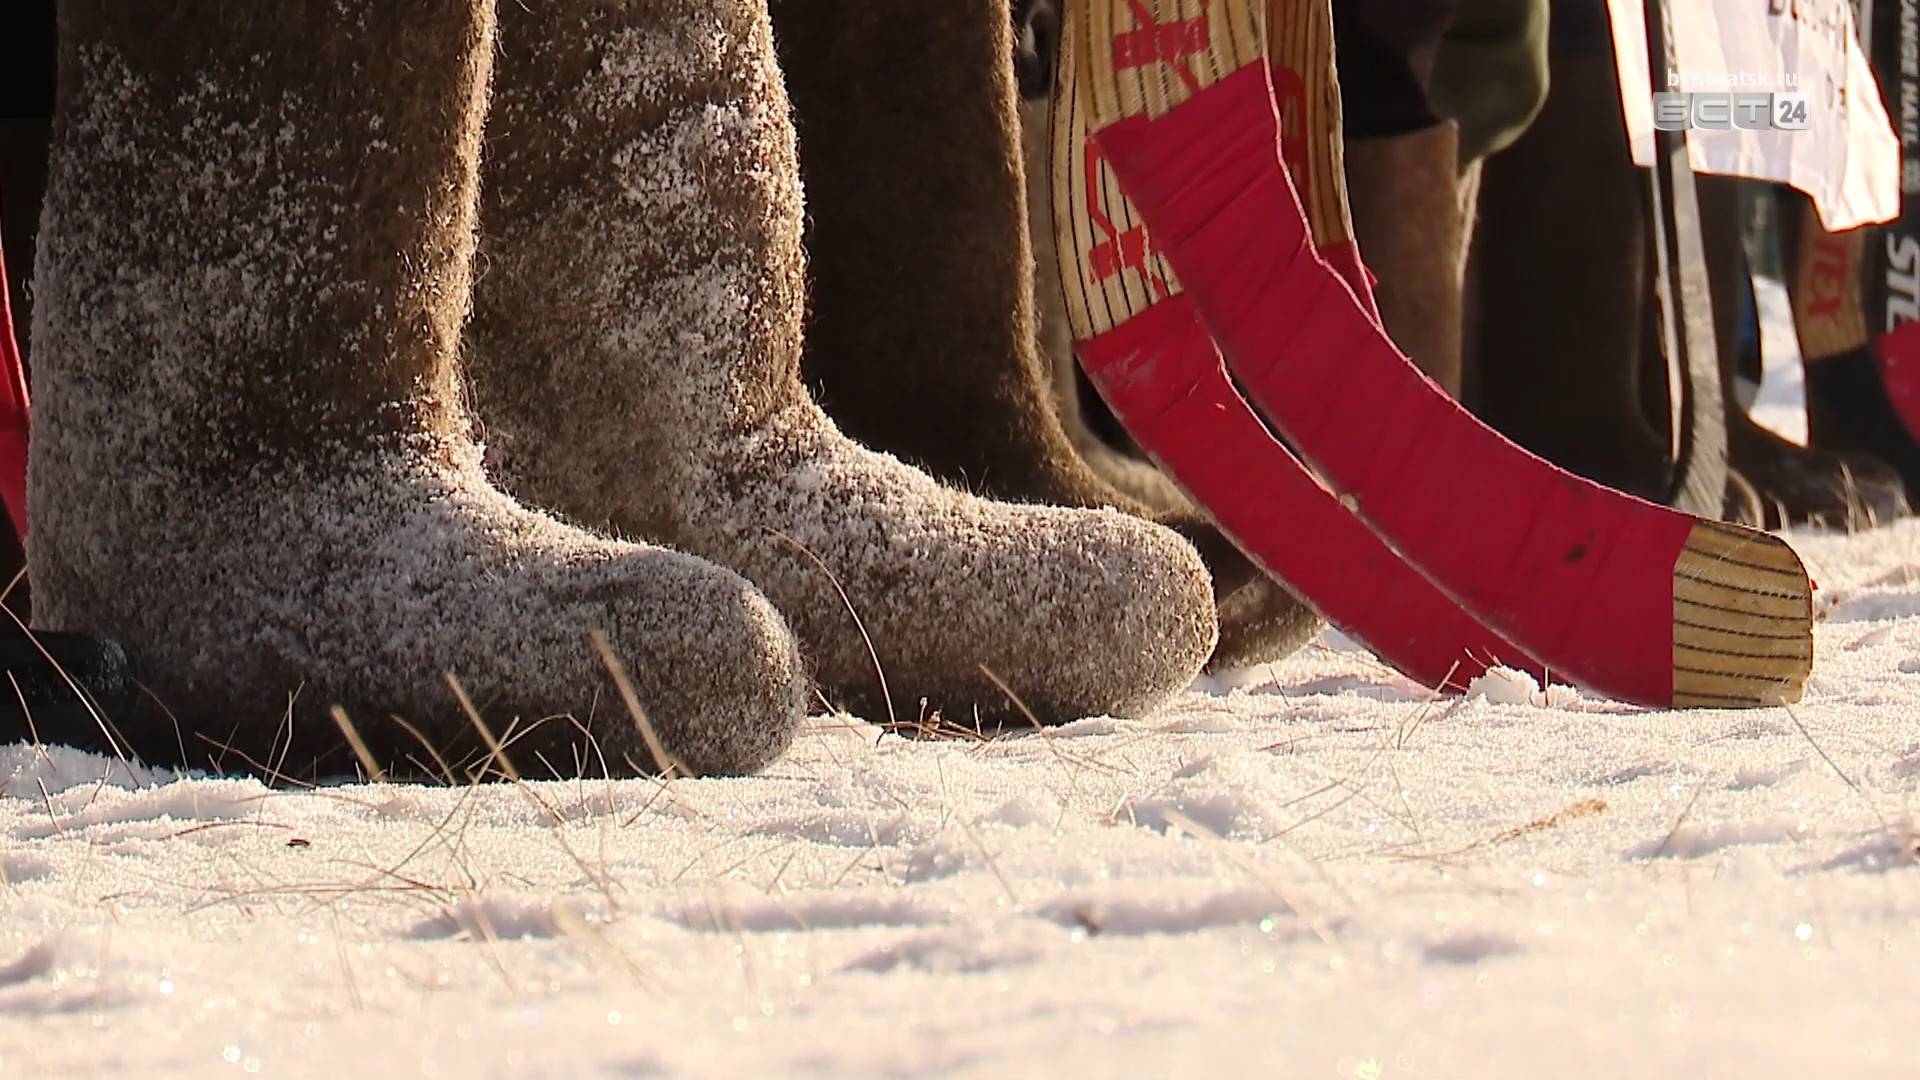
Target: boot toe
x,y
720,679
1133,625
1260,621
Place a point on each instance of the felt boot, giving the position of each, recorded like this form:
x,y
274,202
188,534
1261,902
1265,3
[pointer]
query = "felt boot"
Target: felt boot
x,y
1778,482
636,357
922,274
250,461
1407,215
1562,300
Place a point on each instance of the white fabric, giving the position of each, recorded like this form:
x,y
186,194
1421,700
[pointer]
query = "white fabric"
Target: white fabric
x,y
1848,159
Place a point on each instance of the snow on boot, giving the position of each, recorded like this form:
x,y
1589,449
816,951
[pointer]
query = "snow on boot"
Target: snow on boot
x,y
921,274
636,357
250,462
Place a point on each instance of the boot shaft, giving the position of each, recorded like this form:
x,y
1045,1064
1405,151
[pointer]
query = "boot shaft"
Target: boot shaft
x,y
260,223
921,263
641,154
641,237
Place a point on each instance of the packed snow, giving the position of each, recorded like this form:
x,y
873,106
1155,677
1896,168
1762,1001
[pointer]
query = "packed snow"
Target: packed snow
x,y
1313,869
1321,871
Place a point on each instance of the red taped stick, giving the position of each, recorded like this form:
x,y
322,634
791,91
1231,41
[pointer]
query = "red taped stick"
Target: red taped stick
x,y
13,416
1162,376
1581,576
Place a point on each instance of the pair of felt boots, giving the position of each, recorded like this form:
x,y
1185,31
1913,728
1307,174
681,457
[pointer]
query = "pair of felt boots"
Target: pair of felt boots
x,y
263,336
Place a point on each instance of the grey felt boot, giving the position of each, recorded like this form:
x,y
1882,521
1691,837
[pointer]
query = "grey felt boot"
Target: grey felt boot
x,y
635,353
250,462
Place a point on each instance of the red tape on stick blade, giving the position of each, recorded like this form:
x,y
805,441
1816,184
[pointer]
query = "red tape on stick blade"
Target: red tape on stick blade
x,y
1161,374
1579,575
13,416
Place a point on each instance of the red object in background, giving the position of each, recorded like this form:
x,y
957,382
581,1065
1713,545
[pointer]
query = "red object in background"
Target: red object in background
x,y
13,416
1899,352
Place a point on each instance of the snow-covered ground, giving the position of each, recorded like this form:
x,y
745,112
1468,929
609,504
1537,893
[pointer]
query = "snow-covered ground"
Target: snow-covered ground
x,y
1316,872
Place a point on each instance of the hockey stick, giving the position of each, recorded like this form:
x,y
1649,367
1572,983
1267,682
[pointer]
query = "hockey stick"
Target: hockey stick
x,y
57,685
1636,601
1145,351
13,417
1697,413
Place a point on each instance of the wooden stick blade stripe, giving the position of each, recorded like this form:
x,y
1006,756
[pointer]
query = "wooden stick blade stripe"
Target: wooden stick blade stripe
x,y
1745,654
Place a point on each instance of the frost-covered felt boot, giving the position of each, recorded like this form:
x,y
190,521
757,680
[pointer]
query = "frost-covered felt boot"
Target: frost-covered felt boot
x,y
635,355
922,277
250,463
1408,218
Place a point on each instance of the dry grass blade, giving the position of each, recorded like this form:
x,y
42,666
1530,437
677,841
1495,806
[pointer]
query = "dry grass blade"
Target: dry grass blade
x,y
668,764
1837,770
115,739
439,762
209,826
346,966
993,864
46,800
872,653
1220,845
1584,808
6,594
497,752
1679,820
1046,736
361,750
26,714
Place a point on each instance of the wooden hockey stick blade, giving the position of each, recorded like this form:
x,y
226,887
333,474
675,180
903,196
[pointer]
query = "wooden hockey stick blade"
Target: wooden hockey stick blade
x,y
1698,413
1145,351
1635,601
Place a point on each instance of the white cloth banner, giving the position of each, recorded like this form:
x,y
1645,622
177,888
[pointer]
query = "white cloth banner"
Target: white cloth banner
x,y
1847,158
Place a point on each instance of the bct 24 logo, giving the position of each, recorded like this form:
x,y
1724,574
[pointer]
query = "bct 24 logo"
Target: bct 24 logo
x,y
1726,110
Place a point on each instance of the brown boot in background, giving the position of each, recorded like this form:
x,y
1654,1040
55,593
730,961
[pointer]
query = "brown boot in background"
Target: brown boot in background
x,y
1560,260
1775,482
1405,191
923,338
